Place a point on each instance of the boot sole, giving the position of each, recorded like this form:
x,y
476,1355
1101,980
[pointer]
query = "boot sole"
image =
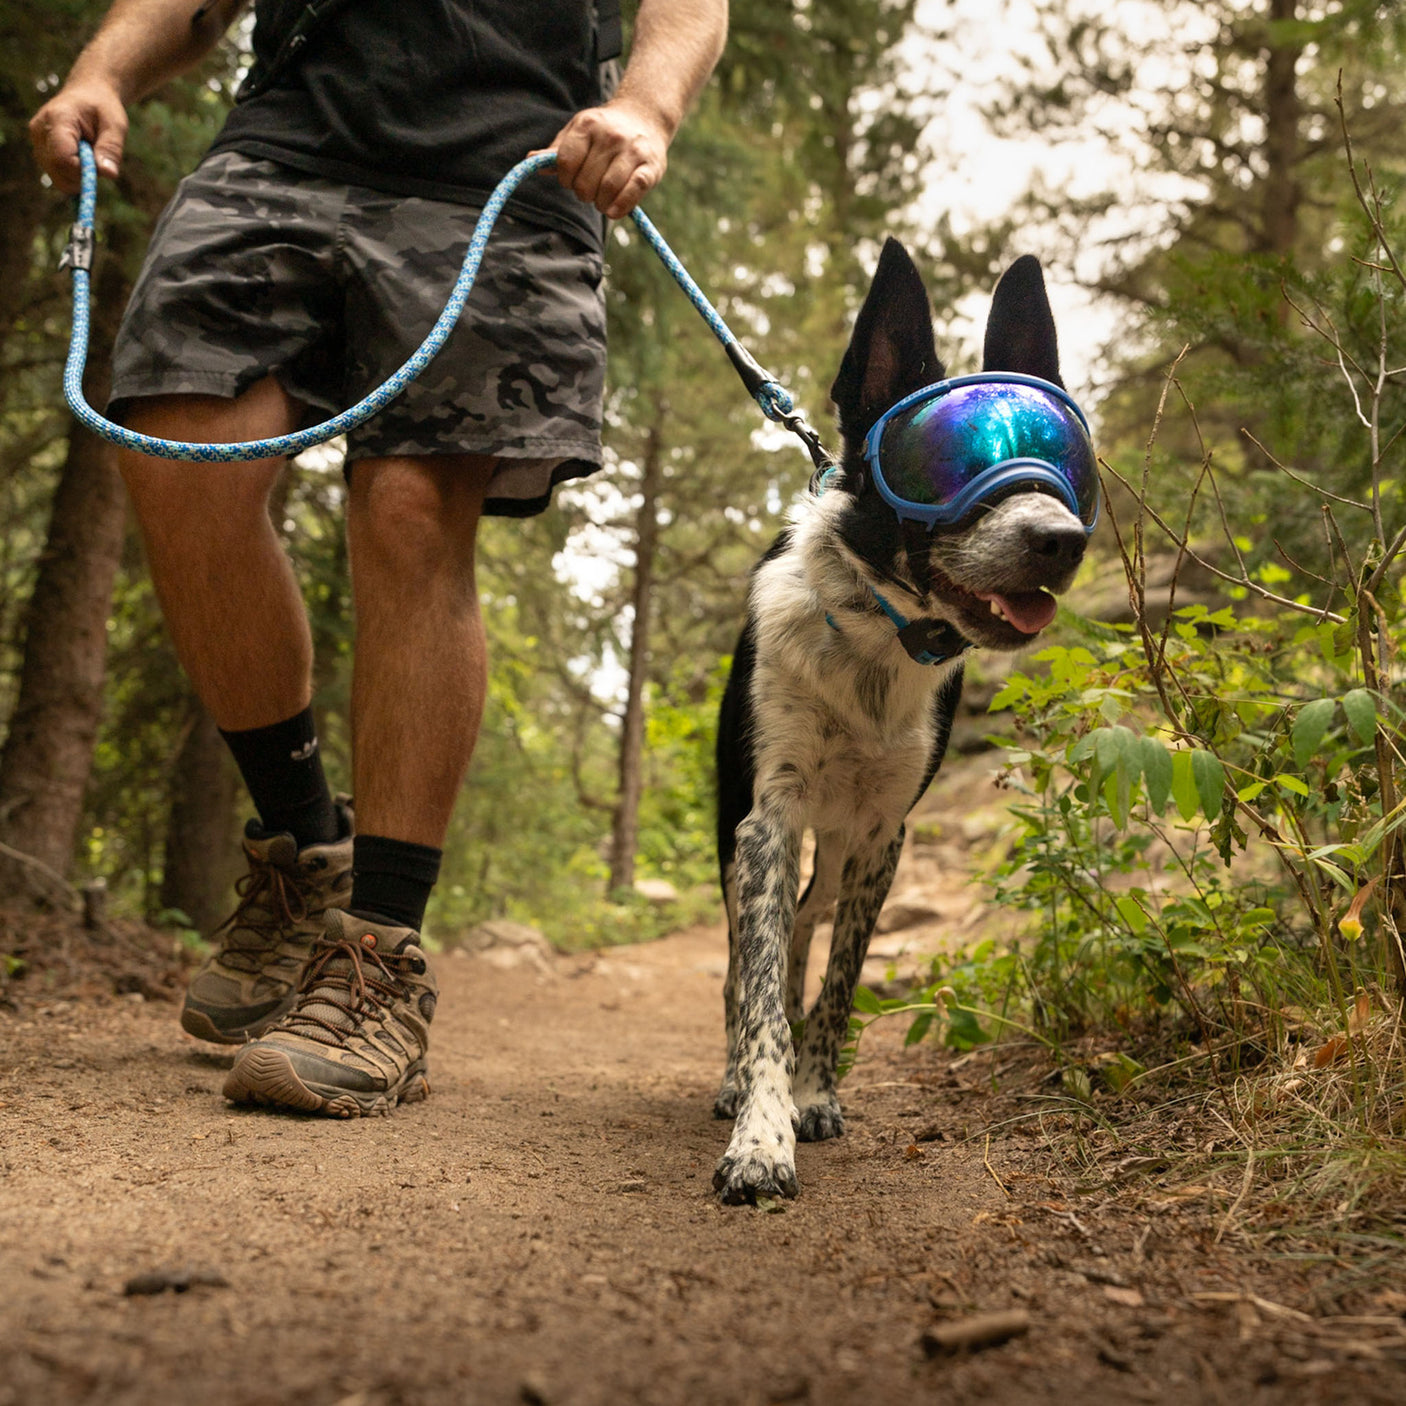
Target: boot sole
x,y
267,1077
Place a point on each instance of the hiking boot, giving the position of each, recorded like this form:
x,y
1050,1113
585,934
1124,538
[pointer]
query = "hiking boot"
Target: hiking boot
x,y
355,1040
251,978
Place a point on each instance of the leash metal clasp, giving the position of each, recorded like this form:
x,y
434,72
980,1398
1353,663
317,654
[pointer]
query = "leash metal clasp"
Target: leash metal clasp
x,y
798,425
78,252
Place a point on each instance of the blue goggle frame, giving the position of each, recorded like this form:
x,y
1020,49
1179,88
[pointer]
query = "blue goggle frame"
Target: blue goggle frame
x,y
977,481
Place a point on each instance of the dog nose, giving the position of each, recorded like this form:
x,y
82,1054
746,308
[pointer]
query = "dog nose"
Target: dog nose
x,y
1061,547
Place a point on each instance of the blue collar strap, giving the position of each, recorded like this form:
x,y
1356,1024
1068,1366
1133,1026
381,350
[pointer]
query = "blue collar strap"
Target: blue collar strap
x,y
927,641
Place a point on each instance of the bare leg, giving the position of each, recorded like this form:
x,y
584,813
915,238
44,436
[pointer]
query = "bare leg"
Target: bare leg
x,y
420,667
225,584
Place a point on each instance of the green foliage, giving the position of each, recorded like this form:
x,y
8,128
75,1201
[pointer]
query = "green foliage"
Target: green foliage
x,y
1208,823
1208,816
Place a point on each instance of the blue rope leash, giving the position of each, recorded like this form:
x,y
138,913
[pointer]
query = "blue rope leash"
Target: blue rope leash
x,y
774,399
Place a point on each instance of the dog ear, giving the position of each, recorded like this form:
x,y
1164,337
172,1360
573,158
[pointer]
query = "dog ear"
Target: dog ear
x,y
892,351
1020,332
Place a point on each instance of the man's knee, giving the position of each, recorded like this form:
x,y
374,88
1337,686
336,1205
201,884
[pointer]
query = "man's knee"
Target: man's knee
x,y
185,503
172,492
419,513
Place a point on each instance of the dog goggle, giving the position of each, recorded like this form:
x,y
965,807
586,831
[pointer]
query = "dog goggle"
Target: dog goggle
x,y
951,447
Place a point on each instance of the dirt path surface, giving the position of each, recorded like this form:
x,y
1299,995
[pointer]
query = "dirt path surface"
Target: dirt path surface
x,y
542,1229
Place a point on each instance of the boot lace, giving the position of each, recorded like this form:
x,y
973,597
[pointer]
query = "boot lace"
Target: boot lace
x,y
352,981
271,900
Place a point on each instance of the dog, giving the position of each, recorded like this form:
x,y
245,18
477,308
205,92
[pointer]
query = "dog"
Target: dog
x,y
830,722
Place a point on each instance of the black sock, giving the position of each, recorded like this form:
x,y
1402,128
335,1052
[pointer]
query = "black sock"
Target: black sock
x,y
392,879
282,768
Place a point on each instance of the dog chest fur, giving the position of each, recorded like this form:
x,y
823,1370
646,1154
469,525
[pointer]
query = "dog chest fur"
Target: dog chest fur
x,y
842,717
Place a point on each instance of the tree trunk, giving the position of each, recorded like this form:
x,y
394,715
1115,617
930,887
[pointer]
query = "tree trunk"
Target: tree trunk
x,y
23,202
1281,190
48,753
624,834
200,860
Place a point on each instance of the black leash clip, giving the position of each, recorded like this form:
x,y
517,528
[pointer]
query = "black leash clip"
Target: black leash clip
x,y
776,403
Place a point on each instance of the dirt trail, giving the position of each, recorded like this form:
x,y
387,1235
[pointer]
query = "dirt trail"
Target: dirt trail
x,y
542,1229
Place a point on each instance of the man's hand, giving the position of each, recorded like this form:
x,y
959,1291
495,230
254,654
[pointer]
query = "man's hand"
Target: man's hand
x,y
613,156
140,45
90,109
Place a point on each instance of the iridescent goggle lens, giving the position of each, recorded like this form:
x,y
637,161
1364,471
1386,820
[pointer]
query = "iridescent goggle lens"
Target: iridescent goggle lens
x,y
948,448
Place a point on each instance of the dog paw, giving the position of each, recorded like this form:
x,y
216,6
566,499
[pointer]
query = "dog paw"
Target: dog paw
x,y
740,1181
725,1105
821,1121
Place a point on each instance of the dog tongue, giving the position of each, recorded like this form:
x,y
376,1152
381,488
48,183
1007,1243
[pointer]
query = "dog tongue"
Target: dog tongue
x,y
1029,612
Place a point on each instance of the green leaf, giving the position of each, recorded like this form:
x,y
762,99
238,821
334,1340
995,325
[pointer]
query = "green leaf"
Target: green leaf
x,y
918,1029
865,1000
1184,784
1118,759
1209,776
1309,727
964,1031
1117,795
1157,768
1085,746
1361,709
1119,1072
1131,912
1296,784
1077,1084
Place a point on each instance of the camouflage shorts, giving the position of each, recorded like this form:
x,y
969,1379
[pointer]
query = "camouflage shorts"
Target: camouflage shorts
x,y
256,268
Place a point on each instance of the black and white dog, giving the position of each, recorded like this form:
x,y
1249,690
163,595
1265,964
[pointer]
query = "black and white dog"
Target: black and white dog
x,y
830,722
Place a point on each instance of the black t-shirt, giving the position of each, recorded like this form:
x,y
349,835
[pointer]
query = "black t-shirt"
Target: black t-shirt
x,y
428,97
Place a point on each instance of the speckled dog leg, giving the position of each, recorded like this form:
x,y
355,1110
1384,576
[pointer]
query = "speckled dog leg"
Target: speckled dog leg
x,y
725,1105
865,885
816,903
761,1158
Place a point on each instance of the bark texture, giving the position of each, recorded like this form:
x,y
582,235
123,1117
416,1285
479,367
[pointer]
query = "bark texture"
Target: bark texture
x,y
48,752
200,860
1281,190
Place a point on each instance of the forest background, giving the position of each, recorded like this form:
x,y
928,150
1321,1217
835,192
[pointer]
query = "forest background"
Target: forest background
x,y
1207,788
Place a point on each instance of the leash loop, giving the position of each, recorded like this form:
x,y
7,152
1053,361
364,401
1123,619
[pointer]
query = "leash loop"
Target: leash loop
x,y
775,401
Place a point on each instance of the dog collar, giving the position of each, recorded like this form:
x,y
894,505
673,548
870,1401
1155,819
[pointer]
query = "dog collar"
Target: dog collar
x,y
927,641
